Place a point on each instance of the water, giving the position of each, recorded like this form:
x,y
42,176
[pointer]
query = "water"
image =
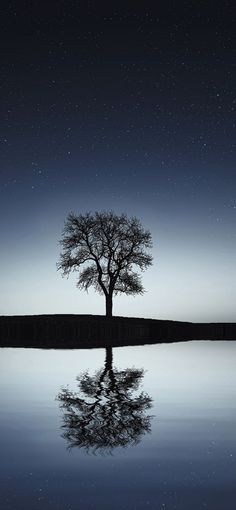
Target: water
x,y
148,427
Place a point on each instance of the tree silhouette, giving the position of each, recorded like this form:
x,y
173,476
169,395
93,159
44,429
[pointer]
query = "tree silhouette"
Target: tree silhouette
x,y
106,412
108,247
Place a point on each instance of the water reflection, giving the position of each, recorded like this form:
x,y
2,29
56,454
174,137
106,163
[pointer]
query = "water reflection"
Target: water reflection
x,y
106,412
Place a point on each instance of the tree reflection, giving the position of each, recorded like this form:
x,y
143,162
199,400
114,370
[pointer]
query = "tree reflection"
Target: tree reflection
x,y
106,412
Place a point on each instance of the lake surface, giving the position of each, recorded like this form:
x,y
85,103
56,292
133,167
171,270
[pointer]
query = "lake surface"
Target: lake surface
x,y
147,427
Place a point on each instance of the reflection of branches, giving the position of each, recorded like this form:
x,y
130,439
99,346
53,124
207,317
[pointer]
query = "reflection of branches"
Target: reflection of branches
x,y
104,413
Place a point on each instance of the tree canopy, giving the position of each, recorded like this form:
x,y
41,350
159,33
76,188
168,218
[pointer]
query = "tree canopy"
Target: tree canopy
x,y
104,248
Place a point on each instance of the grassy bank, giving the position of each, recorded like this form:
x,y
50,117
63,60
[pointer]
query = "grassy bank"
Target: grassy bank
x,y
78,331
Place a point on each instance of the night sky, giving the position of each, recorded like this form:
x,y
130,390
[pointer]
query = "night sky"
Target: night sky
x,y
124,107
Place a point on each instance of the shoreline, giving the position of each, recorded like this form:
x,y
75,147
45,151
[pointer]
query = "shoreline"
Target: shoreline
x,y
84,331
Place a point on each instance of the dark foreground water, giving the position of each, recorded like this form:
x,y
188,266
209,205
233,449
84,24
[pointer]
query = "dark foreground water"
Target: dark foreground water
x,y
150,427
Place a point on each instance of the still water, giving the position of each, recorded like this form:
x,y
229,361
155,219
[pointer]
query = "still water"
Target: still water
x,y
131,428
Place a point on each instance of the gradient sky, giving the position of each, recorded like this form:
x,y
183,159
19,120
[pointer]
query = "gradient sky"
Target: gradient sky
x,y
123,107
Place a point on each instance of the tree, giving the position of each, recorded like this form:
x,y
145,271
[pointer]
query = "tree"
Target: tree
x,y
104,248
107,411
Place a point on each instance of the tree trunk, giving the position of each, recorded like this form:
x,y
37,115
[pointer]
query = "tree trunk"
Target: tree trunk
x,y
109,359
109,305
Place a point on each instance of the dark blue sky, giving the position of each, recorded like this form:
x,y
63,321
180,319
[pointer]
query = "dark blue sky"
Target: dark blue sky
x,y
123,107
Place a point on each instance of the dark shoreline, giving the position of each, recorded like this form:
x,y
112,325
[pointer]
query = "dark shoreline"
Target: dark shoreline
x,y
84,331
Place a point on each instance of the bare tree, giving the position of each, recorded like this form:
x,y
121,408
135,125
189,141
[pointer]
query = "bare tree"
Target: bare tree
x,y
104,248
106,411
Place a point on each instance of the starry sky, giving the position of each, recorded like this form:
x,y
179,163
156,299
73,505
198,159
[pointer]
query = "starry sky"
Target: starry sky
x,y
124,107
